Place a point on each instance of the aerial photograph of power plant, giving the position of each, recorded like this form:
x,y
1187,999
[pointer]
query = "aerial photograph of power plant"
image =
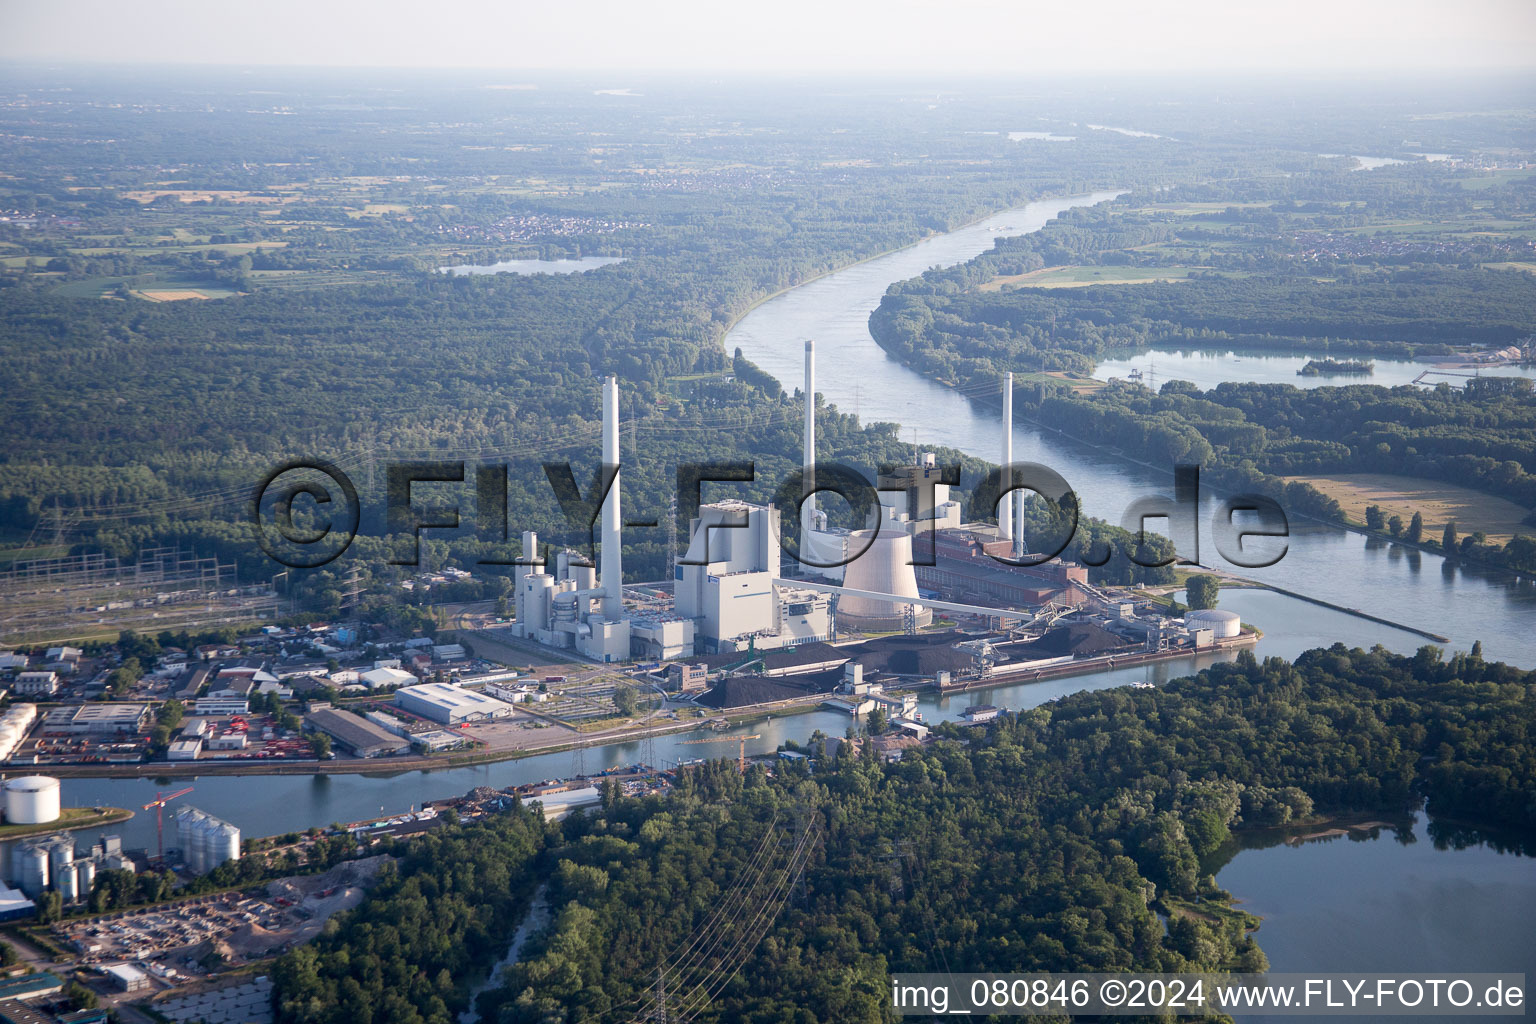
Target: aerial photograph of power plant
x,y
625,512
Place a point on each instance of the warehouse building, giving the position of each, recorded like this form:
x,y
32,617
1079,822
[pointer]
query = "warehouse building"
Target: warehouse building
x,y
96,720
361,737
451,705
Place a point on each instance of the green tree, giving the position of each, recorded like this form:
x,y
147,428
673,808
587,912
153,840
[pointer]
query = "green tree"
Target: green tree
x,y
1374,519
1202,590
625,701
1416,528
877,721
320,743
1448,538
1395,526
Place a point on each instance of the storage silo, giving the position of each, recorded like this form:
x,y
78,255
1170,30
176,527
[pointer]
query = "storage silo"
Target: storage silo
x,y
30,865
1222,624
85,876
32,800
68,884
225,844
884,567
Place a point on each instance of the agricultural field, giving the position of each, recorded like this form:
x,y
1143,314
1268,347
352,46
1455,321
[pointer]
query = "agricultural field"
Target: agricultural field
x,y
1438,502
1083,277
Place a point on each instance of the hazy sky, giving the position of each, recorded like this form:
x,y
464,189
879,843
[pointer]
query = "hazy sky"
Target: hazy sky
x,y
793,36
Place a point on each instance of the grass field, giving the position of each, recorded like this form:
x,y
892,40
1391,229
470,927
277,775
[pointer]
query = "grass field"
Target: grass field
x,y
1082,277
1437,502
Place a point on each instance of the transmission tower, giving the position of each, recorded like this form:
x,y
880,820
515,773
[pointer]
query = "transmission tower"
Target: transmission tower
x,y
658,1012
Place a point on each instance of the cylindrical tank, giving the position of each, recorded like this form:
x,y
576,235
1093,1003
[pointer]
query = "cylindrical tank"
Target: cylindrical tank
x,y
537,588
32,800
584,576
31,869
1221,623
68,884
85,876
884,568
61,857
226,844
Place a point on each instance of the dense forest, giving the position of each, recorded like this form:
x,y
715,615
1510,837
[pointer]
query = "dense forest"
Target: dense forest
x,y
1056,839
320,327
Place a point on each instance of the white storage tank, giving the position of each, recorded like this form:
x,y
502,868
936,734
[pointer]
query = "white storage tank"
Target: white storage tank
x,y
226,844
30,866
85,876
32,800
69,884
1222,624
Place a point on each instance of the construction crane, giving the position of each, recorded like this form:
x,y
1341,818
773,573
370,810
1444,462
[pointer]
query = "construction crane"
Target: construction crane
x,y
158,806
741,759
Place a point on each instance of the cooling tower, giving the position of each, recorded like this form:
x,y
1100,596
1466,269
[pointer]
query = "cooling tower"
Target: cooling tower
x,y
885,568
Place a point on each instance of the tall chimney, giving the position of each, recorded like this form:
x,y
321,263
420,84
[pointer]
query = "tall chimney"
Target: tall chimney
x,y
611,556
1005,506
808,510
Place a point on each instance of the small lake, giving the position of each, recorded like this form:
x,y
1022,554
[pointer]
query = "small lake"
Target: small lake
x,y
1040,137
1206,368
1387,900
576,266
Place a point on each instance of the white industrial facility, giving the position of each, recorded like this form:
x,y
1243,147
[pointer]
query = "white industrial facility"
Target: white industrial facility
x,y
1222,624
52,862
451,705
31,800
576,608
206,841
14,725
725,584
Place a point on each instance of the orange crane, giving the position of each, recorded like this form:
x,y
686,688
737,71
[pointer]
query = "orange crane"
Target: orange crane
x,y
741,759
158,806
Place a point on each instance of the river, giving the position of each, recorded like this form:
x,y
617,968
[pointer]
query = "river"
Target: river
x,y
1345,568
856,374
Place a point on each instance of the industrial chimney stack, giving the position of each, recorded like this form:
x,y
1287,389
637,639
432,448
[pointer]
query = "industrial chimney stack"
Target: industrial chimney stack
x,y
808,510
1005,506
612,556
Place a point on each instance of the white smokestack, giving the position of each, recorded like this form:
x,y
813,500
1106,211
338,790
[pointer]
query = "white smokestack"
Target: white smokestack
x,y
530,554
808,510
1005,507
612,557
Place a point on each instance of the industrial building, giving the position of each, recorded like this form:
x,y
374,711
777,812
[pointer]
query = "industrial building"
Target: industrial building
x,y
725,584
14,726
575,607
362,738
31,800
37,684
386,676
206,841
14,904
451,705
51,862
96,720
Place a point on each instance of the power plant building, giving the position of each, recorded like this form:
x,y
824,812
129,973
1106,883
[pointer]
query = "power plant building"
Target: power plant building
x,y
725,584
581,608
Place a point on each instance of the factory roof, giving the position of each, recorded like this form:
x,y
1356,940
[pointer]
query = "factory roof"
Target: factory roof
x,y
354,732
30,986
453,697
